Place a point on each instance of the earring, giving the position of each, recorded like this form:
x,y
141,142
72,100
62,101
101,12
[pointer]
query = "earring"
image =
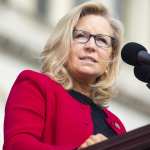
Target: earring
x,y
106,71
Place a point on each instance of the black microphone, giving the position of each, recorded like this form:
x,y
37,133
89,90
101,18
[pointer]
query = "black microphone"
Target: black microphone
x,y
142,72
135,54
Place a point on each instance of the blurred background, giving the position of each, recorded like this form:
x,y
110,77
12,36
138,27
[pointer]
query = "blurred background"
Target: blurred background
x,y
25,26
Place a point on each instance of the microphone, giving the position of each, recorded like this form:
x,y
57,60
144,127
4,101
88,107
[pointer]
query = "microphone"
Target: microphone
x,y
142,72
135,54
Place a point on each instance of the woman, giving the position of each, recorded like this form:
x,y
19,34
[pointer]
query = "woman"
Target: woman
x,y
64,106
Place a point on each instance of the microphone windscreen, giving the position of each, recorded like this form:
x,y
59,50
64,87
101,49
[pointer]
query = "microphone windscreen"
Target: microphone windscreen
x,y
130,52
142,72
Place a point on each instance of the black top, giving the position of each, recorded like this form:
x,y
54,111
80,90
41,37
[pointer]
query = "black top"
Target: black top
x,y
98,116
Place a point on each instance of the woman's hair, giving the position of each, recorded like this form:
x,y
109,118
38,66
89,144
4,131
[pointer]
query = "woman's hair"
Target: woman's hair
x,y
58,47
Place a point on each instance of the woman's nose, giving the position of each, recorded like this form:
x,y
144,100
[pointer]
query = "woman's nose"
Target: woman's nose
x,y
90,45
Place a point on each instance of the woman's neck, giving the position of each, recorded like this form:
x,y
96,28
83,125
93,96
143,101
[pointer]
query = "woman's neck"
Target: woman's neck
x,y
82,88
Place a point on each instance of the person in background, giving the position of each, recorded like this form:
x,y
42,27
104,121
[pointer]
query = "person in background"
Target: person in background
x,y
65,105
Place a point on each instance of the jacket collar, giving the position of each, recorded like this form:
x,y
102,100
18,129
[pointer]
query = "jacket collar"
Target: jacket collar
x,y
114,122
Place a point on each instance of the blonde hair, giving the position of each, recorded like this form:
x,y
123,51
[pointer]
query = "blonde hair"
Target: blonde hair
x,y
57,50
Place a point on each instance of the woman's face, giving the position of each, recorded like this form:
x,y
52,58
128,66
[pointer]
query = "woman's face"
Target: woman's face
x,y
88,58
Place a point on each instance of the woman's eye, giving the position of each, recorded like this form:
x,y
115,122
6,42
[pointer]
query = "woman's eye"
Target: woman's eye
x,y
79,35
100,39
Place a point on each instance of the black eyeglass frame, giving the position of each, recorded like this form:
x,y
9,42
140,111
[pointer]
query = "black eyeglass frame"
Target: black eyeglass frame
x,y
113,39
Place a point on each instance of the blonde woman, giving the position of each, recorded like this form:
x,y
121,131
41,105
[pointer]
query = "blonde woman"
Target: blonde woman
x,y
64,106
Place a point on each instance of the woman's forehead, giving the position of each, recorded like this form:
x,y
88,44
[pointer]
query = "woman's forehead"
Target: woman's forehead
x,y
95,24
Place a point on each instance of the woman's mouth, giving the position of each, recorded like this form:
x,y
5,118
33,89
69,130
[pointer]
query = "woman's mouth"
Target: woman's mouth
x,y
88,59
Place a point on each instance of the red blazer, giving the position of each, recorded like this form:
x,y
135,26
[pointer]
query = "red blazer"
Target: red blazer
x,y
41,115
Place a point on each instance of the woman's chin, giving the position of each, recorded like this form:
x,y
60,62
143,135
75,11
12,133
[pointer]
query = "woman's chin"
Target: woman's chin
x,y
89,73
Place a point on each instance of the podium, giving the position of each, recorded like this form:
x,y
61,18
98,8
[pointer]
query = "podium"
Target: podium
x,y
138,139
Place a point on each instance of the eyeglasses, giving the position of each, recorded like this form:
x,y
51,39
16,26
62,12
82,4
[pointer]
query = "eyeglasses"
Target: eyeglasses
x,y
101,40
